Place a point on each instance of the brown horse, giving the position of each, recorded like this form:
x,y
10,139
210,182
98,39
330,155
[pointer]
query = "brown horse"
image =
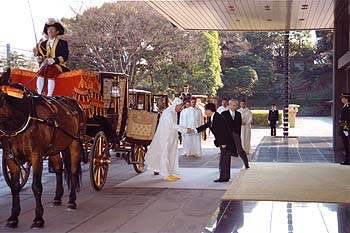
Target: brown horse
x,y
32,128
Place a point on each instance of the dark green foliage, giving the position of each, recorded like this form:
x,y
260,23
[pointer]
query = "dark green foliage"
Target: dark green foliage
x,y
310,66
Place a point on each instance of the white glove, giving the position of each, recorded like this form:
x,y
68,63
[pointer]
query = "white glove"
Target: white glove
x,y
346,133
50,61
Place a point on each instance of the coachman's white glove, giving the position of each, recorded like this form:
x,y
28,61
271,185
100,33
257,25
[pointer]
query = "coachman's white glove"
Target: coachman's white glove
x,y
50,61
346,133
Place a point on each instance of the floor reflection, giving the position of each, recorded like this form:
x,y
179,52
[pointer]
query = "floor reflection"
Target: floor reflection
x,y
301,149
279,217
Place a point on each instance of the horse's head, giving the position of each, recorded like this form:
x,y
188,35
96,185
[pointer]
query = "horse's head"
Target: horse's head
x,y
14,105
4,80
12,90
5,77
13,93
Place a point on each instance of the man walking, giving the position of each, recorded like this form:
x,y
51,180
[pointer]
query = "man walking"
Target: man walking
x,y
234,120
273,119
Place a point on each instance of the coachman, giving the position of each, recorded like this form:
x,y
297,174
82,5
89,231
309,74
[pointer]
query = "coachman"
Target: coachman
x,y
52,56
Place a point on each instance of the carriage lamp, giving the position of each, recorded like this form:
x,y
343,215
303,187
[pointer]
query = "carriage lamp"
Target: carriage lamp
x,y
115,93
155,107
115,90
140,105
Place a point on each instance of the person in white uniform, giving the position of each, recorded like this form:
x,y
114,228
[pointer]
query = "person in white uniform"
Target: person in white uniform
x,y
247,117
162,156
192,117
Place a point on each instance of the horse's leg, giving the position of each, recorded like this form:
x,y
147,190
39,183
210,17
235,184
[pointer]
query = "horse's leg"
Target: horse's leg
x,y
75,158
12,221
37,165
57,166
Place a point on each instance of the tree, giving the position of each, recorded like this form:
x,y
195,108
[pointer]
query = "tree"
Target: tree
x,y
264,52
19,60
238,82
134,39
324,52
211,62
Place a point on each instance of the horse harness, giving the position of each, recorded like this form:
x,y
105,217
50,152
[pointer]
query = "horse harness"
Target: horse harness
x,y
51,103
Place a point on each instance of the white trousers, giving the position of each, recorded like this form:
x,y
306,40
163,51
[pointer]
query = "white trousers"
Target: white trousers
x,y
40,85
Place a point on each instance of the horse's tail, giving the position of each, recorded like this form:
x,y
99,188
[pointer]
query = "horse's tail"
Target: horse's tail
x,y
67,161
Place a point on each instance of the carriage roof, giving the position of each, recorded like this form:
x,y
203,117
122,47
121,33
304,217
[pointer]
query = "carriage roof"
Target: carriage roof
x,y
139,91
104,73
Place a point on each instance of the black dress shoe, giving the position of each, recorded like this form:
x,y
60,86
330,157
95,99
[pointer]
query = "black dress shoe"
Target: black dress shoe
x,y
221,180
344,163
156,173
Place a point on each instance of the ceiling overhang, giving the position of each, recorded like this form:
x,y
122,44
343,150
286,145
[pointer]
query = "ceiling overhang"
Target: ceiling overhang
x,y
248,15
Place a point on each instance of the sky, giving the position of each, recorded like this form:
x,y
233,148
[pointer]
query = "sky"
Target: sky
x,y
16,22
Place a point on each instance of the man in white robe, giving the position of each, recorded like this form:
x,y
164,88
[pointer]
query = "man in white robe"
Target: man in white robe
x,y
192,117
247,117
187,104
162,155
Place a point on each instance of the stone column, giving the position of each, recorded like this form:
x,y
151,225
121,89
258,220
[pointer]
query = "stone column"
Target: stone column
x,y
285,83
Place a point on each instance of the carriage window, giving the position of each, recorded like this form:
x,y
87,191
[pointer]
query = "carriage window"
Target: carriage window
x,y
132,101
140,105
140,102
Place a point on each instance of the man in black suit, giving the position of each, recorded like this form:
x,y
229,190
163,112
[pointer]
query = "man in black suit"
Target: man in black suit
x,y
273,119
223,139
345,126
234,120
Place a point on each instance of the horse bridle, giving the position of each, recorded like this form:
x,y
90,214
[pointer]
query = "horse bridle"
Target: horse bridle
x,y
8,134
32,117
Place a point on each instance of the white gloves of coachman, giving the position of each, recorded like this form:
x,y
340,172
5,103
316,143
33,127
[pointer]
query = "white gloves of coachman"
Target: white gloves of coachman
x,y
50,61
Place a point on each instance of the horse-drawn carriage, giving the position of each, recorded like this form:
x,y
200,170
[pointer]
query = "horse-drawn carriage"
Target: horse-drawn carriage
x,y
145,100
87,116
111,122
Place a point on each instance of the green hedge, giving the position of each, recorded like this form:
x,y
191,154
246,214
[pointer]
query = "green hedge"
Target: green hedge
x,y
260,117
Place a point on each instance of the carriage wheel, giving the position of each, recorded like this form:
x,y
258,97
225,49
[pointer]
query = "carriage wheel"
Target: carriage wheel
x,y
23,176
138,156
100,161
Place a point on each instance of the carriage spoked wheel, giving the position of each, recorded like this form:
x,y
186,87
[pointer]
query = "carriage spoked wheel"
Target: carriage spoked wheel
x,y
100,161
138,158
23,175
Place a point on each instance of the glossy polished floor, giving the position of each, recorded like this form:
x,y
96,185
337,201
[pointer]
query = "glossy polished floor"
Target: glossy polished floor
x,y
279,217
285,217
